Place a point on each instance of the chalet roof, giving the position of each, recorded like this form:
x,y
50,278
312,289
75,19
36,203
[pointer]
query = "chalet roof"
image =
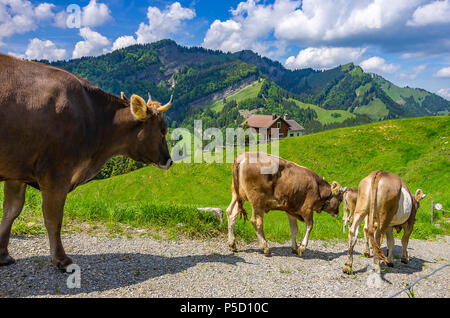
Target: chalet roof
x,y
266,121
260,121
293,125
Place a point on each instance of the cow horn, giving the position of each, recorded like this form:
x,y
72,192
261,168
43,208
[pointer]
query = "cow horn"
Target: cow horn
x,y
149,98
122,96
166,107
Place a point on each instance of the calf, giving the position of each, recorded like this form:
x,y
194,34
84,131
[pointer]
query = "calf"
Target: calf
x,y
291,188
385,198
349,205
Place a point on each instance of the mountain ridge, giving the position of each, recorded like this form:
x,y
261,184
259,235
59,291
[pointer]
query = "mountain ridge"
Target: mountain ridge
x,y
194,73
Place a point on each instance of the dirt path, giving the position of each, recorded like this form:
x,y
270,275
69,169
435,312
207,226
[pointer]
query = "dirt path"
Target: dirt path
x,y
144,267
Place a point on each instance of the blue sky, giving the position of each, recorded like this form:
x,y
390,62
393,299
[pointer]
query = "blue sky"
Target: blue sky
x,y
407,42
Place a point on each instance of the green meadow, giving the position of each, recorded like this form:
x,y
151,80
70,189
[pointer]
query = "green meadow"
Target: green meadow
x,y
416,149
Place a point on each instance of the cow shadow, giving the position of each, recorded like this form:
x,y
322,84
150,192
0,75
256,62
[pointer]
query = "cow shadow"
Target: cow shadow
x,y
414,265
99,273
308,254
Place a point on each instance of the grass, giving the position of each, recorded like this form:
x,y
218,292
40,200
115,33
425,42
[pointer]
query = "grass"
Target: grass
x,y
166,201
250,91
376,109
324,116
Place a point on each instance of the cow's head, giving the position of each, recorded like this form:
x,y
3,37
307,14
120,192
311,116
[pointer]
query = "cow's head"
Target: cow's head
x,y
149,145
331,205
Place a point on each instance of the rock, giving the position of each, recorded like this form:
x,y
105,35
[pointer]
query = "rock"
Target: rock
x,y
216,213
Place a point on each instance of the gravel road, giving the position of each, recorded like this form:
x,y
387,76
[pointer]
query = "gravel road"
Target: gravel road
x,y
146,267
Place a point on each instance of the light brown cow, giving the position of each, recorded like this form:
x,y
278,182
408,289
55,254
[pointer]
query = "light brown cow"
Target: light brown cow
x,y
385,199
349,205
272,183
57,130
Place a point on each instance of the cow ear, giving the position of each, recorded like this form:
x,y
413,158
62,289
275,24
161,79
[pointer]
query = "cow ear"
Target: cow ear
x,y
335,187
138,107
420,195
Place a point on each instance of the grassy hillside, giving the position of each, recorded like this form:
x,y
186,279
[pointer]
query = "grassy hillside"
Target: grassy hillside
x,y
325,116
250,91
415,149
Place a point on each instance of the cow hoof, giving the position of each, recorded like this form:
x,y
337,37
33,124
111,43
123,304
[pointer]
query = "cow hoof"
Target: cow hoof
x,y
266,251
232,248
6,260
347,270
63,263
294,251
301,250
405,261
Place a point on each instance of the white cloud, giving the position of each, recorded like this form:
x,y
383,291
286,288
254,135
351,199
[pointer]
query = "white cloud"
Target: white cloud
x,y
325,23
44,11
378,64
161,24
20,16
95,14
94,44
92,15
443,73
415,72
250,26
123,41
432,13
323,57
38,49
444,92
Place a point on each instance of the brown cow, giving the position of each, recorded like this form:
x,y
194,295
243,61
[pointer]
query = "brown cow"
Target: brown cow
x,y
384,198
57,131
289,187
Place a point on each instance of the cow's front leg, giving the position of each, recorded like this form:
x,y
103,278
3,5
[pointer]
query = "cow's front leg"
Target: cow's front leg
x,y
352,239
294,230
257,221
232,212
309,220
53,200
14,198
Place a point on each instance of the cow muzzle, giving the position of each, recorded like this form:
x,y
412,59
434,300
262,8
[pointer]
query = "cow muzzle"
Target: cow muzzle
x,y
167,165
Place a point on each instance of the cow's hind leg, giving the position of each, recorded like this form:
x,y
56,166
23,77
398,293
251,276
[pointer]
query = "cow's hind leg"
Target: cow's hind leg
x,y
352,239
407,230
14,198
390,245
294,230
309,225
257,221
366,237
53,208
232,212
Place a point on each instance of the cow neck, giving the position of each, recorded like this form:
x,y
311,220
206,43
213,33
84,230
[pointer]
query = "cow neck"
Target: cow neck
x,y
116,137
327,202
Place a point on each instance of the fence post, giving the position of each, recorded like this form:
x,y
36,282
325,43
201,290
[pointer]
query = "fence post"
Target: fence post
x,y
432,212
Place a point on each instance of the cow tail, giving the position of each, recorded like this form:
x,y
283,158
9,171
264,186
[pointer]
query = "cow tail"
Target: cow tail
x,y
240,204
373,213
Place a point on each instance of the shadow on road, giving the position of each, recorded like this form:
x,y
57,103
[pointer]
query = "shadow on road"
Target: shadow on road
x,y
35,276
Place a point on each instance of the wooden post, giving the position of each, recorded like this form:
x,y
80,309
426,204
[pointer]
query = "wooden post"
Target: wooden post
x,y
432,212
